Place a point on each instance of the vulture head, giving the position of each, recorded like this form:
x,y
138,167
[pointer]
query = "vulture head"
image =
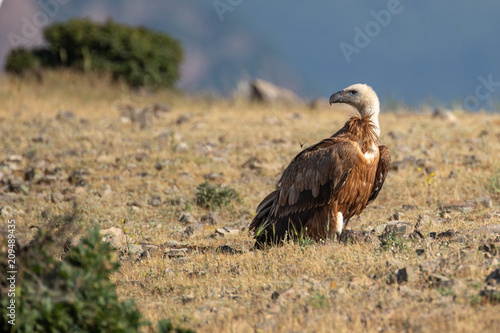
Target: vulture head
x,y
360,96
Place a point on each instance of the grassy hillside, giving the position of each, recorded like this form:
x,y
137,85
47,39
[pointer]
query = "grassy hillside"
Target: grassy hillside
x,y
74,145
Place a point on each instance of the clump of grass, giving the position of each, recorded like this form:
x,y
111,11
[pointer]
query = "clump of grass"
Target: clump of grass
x,y
391,241
214,196
494,183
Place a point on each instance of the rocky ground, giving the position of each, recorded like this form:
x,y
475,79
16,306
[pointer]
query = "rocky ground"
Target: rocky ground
x,y
423,257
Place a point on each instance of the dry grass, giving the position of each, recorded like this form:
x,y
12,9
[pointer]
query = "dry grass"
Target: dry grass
x,y
296,287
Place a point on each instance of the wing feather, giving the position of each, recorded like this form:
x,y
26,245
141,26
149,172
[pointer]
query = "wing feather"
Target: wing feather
x,y
315,175
383,167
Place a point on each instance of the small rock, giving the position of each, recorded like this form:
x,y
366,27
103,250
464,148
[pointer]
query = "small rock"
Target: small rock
x,y
213,176
175,253
6,211
38,139
422,221
486,202
399,228
396,216
492,229
196,229
445,115
141,156
65,115
56,197
106,191
115,236
489,248
227,231
226,249
354,236
174,244
187,298
430,266
494,277
275,295
183,118
439,280
181,147
407,274
15,184
212,219
154,200
187,217
447,234
141,250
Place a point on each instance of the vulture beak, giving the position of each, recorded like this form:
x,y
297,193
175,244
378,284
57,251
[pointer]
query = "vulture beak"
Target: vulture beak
x,y
338,97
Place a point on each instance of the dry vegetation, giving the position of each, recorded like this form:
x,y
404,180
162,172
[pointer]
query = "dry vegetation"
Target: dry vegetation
x,y
148,177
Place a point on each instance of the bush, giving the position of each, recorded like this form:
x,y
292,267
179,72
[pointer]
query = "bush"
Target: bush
x,y
20,61
214,196
72,295
141,57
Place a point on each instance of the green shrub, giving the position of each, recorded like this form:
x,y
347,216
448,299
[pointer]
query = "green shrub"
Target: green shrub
x,y
69,295
20,61
214,196
72,295
143,58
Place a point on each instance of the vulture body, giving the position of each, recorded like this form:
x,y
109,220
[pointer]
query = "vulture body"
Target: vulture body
x,y
329,182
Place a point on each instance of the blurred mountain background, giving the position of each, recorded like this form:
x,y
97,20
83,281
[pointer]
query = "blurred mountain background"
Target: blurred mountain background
x,y
437,53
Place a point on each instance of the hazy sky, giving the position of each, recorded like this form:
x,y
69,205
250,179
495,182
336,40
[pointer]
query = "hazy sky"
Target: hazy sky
x,y
426,51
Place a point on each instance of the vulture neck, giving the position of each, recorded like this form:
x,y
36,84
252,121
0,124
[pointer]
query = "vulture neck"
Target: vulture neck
x,y
371,112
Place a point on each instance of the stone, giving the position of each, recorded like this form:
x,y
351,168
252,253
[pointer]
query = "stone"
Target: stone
x,y
187,217
446,115
106,191
489,248
154,200
116,237
183,118
141,156
174,244
227,231
448,234
353,236
175,253
263,91
494,277
15,184
181,147
213,176
488,230
399,228
141,250
65,115
485,201
422,221
197,229
407,274
6,211
226,249
56,197
439,280
211,218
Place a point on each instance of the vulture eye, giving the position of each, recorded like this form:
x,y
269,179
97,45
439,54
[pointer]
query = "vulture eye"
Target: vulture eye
x,y
352,92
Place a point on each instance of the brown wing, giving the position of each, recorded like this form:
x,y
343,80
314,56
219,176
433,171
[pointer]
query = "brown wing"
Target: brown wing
x,y
315,175
383,167
309,182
